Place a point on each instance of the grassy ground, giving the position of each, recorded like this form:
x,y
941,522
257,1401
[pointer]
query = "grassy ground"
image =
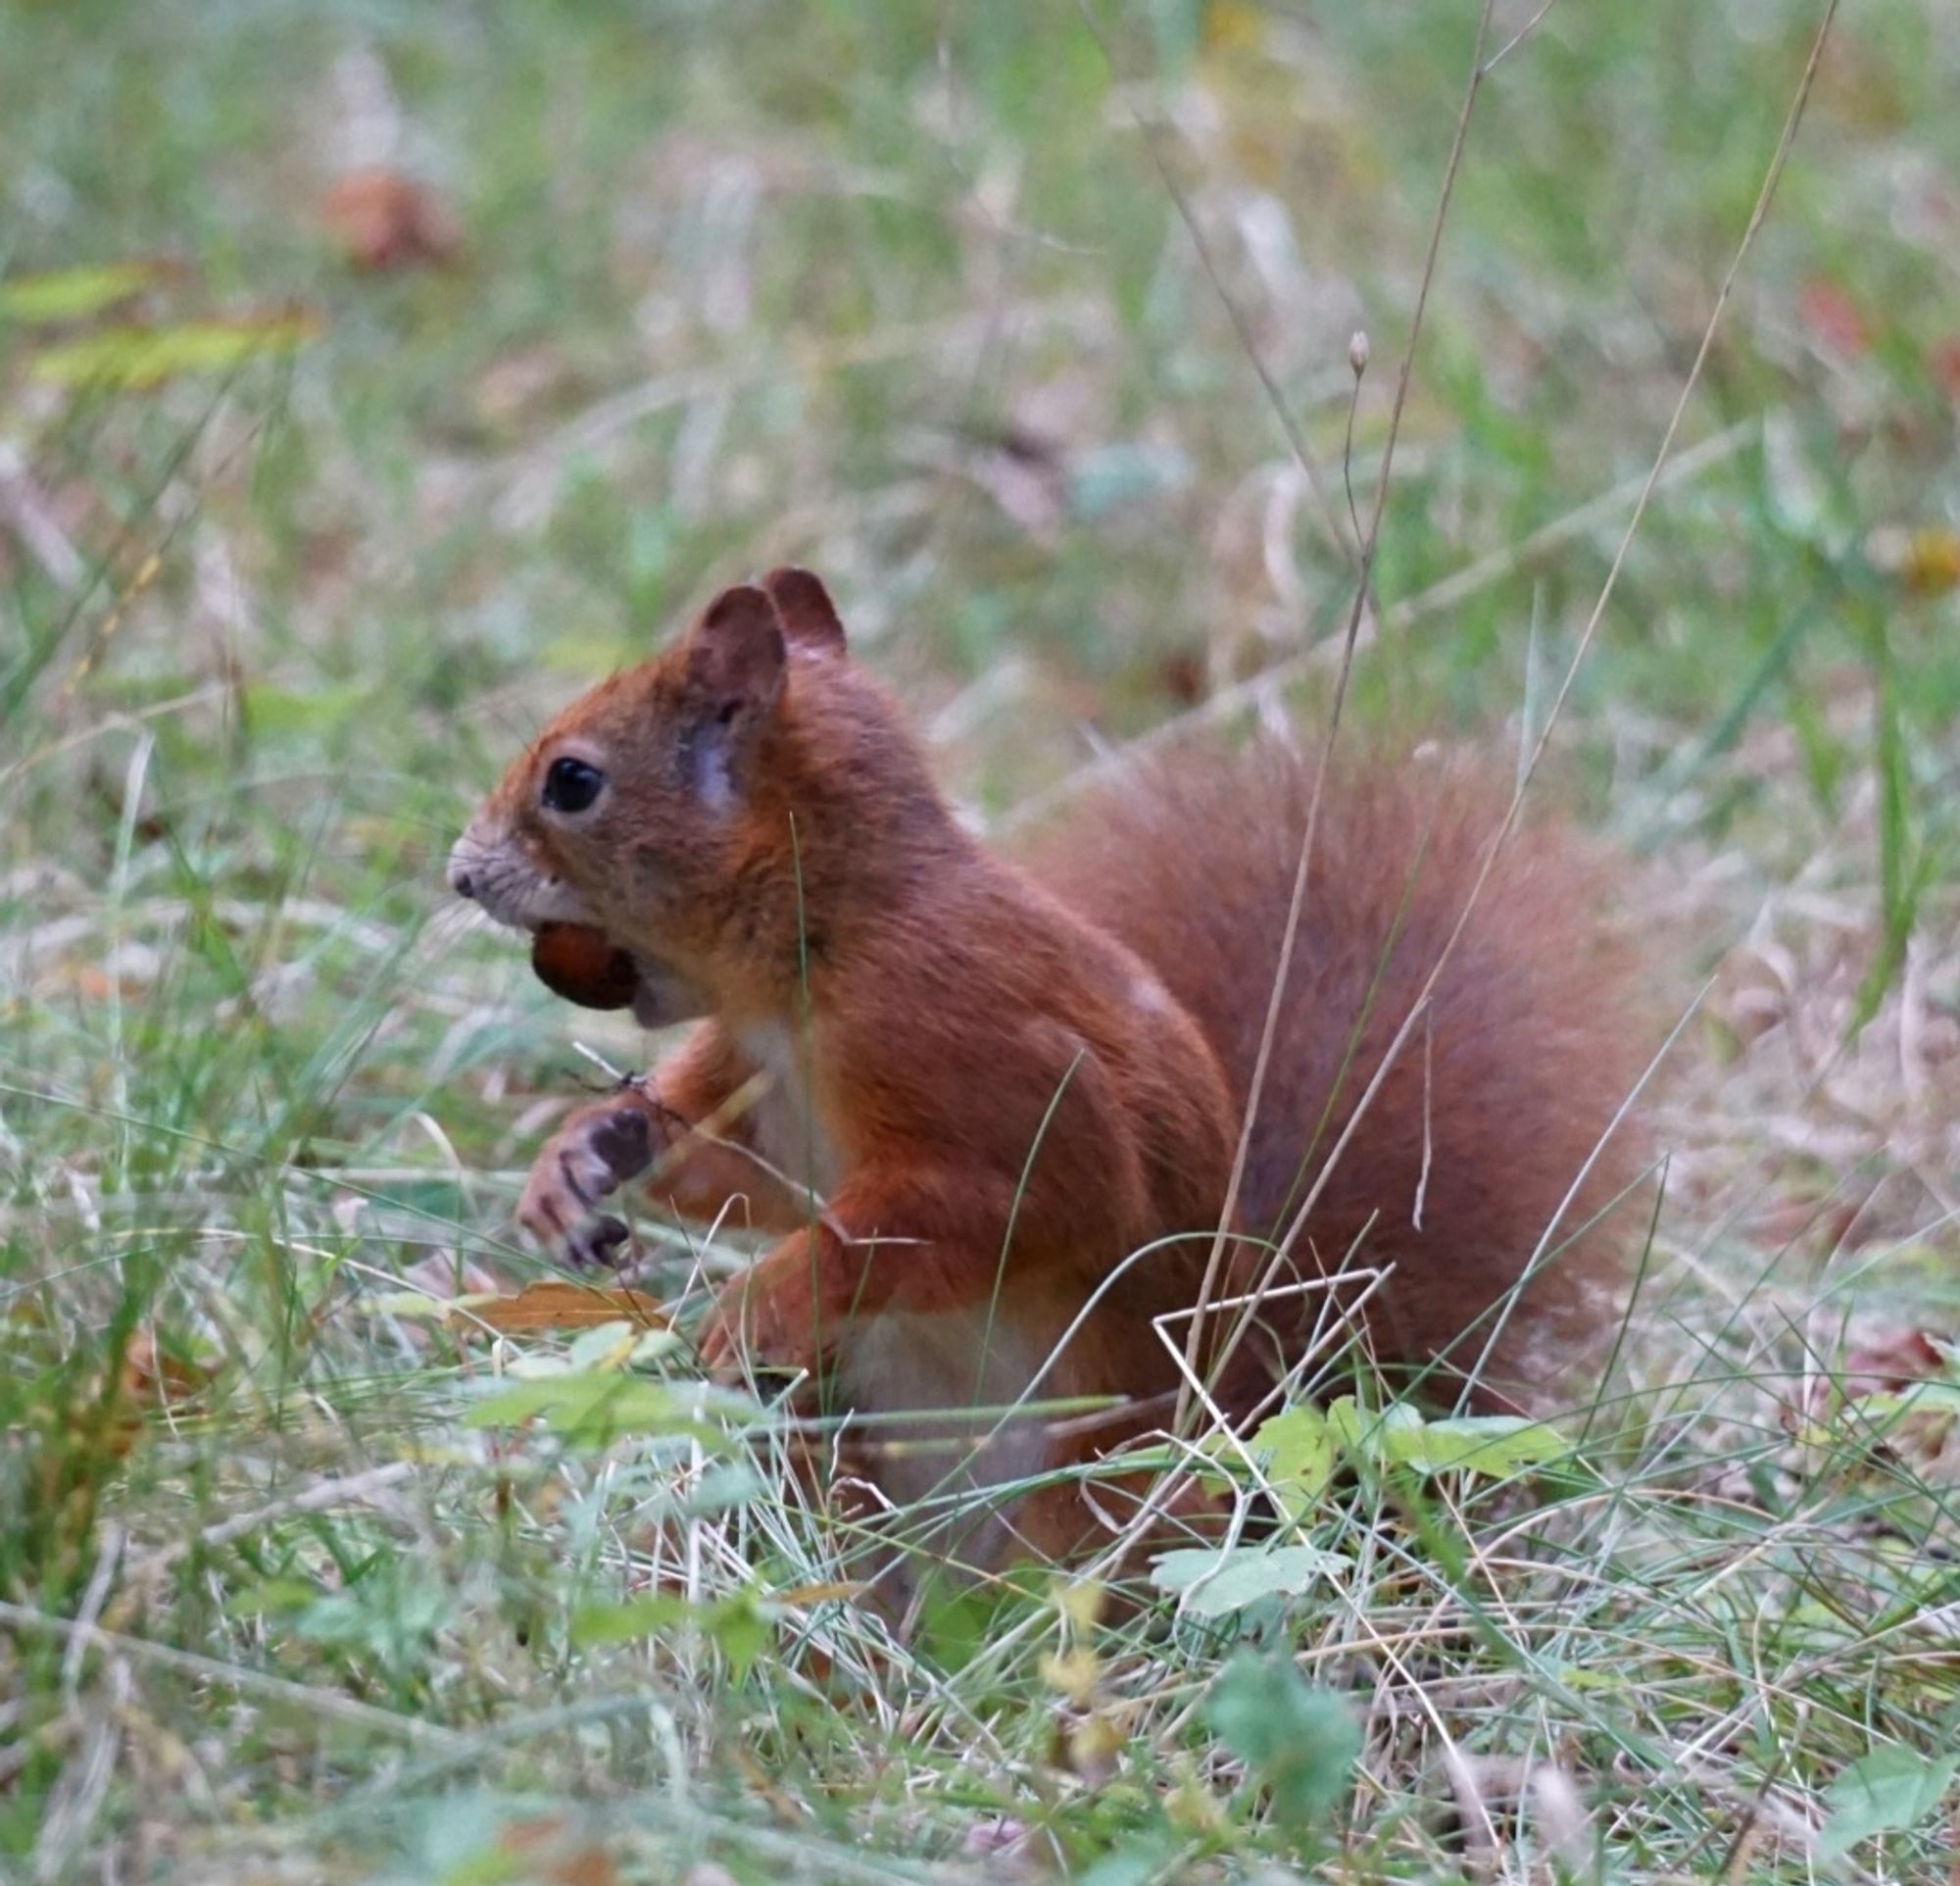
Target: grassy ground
x,y
910,293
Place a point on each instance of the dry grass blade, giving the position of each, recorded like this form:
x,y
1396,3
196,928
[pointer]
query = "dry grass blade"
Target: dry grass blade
x,y
1400,1041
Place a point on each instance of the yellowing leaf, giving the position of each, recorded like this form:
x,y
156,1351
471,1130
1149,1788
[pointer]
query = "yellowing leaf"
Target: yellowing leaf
x,y
1093,1746
125,357
1074,1673
73,294
1230,25
1296,1449
1081,1601
1932,563
831,1591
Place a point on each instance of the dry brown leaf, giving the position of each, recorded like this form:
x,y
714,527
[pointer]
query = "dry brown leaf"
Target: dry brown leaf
x,y
1879,1358
560,1303
1886,1360
147,1382
148,1376
1943,361
380,218
1182,676
549,1850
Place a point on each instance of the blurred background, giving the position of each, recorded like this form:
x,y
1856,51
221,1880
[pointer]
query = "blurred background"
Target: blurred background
x,y
375,376
447,355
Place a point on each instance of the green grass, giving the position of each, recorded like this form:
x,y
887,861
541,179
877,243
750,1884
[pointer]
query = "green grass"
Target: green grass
x,y
745,283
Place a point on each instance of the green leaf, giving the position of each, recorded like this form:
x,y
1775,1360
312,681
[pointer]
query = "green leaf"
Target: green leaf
x,y
1296,1449
957,1622
1298,1743
605,1346
1886,1792
391,1615
1216,1583
722,1489
1918,1398
741,1628
597,1410
130,358
73,294
271,1597
1581,1677
631,1618
1384,1438
1494,1445
740,1625
409,1306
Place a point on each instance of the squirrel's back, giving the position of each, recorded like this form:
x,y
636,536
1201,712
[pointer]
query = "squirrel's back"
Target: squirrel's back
x,y
1497,1149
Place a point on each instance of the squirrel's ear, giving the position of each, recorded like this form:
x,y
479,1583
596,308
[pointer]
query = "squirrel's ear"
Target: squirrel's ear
x,y
735,662
736,652
804,609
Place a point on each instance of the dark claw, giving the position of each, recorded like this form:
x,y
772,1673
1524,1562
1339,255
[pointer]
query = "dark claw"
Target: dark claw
x,y
596,1246
624,1140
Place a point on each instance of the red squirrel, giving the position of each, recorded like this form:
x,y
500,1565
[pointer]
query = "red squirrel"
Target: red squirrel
x,y
1004,1098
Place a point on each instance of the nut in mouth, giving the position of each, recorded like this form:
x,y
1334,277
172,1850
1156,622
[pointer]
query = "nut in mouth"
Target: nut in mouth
x,y
582,964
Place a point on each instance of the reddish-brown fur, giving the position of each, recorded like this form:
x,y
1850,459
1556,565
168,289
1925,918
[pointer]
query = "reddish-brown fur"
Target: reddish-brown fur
x,y
1500,1102
1006,1093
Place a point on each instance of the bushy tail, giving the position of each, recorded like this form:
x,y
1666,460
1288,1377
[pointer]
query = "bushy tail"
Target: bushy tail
x,y
1489,1157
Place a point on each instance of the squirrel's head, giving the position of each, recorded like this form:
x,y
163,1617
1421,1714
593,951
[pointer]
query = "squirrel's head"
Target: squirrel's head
x,y
659,809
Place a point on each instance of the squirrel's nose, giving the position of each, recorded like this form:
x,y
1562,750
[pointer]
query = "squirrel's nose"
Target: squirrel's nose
x,y
459,876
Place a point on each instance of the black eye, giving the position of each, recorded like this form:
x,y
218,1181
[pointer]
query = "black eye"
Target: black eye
x,y
570,785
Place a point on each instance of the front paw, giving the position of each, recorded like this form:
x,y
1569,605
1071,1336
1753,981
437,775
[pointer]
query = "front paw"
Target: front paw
x,y
765,1316
588,1158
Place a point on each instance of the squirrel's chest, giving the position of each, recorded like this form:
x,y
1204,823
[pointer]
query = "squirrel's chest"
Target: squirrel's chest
x,y
787,1129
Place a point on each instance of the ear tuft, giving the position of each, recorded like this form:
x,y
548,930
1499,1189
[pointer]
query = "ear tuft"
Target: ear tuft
x,y
807,614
